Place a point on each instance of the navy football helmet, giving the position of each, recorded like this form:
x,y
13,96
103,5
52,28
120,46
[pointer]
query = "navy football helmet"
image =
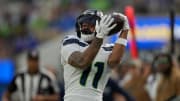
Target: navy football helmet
x,y
89,17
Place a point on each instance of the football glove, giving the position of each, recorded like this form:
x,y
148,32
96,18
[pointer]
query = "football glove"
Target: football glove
x,y
124,18
104,26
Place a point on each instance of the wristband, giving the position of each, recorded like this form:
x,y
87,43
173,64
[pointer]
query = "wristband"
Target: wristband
x,y
121,41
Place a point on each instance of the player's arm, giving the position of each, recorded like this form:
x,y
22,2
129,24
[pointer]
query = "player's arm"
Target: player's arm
x,y
84,59
119,47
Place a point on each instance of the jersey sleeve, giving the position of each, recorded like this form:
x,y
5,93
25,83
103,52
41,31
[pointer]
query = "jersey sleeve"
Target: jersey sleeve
x,y
69,45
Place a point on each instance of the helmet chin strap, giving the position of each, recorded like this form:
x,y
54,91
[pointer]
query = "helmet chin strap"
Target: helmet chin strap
x,y
86,37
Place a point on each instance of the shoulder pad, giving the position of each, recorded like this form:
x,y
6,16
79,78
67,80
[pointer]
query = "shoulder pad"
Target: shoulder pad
x,y
71,39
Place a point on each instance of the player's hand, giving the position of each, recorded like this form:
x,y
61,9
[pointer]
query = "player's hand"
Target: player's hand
x,y
125,19
103,27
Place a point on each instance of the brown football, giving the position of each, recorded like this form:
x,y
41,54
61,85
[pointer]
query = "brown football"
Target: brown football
x,y
119,25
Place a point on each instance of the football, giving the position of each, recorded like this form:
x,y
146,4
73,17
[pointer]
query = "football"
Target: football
x,y
119,25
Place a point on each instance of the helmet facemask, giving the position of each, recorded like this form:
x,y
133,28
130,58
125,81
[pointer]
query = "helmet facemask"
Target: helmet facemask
x,y
87,28
87,38
85,25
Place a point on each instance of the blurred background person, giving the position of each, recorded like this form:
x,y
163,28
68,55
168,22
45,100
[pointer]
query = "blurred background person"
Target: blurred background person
x,y
168,88
178,61
137,81
33,84
114,90
123,75
153,78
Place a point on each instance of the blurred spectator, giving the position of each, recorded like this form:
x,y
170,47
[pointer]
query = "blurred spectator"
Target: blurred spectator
x,y
6,35
136,84
5,49
32,85
140,6
113,92
123,73
152,79
22,20
169,86
178,60
24,37
103,5
25,42
6,26
63,18
37,20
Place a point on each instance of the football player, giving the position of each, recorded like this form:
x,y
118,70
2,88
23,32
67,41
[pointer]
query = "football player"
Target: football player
x,y
86,61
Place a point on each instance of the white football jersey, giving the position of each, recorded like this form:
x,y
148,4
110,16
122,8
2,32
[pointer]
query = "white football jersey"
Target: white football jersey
x,y
84,85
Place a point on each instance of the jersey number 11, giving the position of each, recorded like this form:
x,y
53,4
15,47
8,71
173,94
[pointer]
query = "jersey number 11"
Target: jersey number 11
x,y
98,74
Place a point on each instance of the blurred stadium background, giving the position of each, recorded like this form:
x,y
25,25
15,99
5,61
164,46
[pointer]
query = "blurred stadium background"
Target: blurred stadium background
x,y
27,24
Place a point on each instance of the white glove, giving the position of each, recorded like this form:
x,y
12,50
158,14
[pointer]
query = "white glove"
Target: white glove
x,y
124,18
103,27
